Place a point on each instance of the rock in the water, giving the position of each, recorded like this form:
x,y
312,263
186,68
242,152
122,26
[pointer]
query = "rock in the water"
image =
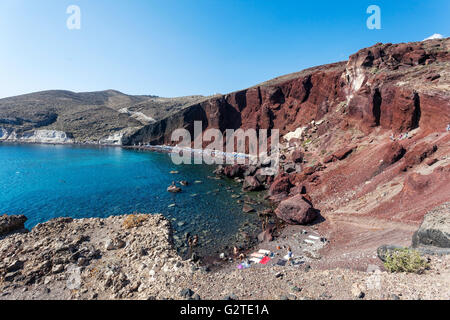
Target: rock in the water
x,y
296,210
247,209
435,229
10,224
251,184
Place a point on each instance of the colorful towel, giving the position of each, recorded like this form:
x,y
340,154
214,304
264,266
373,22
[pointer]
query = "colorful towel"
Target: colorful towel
x,y
265,260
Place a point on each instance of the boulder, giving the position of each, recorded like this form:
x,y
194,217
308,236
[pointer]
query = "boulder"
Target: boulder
x,y
385,250
247,209
297,156
252,184
435,229
296,210
280,186
265,236
10,224
299,189
234,171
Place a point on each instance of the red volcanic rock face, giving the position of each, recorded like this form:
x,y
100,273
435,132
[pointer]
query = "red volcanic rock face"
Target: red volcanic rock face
x,y
296,210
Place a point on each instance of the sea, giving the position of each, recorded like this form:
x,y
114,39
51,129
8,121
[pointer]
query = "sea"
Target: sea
x,y
44,182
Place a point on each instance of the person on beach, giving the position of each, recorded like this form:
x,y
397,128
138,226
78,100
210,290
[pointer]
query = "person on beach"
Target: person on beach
x,y
195,241
289,254
235,252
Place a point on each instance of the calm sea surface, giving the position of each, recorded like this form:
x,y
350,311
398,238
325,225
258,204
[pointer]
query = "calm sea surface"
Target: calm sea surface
x,y
46,181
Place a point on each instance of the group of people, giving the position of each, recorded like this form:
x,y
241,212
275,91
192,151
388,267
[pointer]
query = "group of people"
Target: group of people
x,y
402,136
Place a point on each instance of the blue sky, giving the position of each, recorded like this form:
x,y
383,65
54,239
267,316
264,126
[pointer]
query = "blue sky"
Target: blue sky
x,y
183,47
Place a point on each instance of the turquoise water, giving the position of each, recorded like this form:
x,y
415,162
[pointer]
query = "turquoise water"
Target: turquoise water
x,y
48,181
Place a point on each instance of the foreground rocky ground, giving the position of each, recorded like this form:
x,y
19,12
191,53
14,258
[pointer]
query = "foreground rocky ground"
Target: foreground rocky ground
x,y
131,257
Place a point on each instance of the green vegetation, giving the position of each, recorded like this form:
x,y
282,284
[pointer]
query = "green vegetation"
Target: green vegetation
x,y
405,260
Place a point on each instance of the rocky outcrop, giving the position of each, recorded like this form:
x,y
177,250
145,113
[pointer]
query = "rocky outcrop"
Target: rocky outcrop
x,y
37,136
296,210
117,257
9,224
435,229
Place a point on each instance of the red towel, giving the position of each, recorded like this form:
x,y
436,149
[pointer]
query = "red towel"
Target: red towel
x,y
264,260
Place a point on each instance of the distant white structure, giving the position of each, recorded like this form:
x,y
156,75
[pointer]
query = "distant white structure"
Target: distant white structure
x,y
434,36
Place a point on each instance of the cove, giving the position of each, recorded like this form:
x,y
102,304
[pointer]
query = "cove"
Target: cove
x,y
48,181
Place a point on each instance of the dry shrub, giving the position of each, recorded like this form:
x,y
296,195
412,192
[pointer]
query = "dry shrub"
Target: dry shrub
x,y
133,221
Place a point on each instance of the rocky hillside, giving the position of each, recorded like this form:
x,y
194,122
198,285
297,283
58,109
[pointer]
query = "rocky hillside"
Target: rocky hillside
x,y
64,116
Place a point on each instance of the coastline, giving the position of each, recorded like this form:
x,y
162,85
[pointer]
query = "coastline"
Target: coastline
x,y
126,257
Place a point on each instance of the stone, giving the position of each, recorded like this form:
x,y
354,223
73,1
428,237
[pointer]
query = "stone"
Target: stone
x,y
15,266
296,289
252,184
250,171
58,268
11,275
266,235
247,209
114,244
297,156
296,210
10,224
281,186
385,250
234,171
357,291
231,297
435,228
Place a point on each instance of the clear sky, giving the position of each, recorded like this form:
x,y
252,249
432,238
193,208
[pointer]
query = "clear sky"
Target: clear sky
x,y
183,47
